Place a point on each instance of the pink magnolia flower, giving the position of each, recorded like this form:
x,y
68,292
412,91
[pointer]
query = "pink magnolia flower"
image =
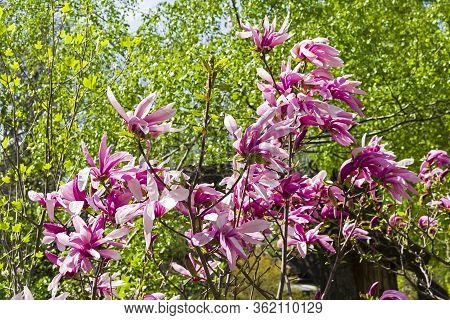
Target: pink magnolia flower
x,y
318,52
373,165
443,203
350,230
159,296
337,127
329,118
292,184
232,240
27,295
428,224
328,212
203,197
51,230
397,221
393,295
155,296
156,205
141,122
387,294
193,270
256,183
266,39
72,196
260,138
24,295
106,162
436,164
289,79
49,201
106,285
111,202
297,236
343,89
87,242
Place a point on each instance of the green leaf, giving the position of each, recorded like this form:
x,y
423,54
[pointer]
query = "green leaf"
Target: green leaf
x,y
4,225
38,45
90,82
12,27
5,142
65,8
58,117
8,52
15,65
16,82
6,179
47,166
16,228
17,205
26,239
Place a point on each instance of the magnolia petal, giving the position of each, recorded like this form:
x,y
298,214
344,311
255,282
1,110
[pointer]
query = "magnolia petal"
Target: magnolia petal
x,y
148,219
112,99
180,269
110,254
254,226
201,238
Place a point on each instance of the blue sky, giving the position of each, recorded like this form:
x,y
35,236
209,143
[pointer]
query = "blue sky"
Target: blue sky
x,y
143,6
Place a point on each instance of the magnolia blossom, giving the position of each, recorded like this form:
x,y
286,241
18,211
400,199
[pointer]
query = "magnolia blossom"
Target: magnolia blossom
x,y
154,296
24,295
159,296
141,122
318,52
350,230
259,139
297,236
27,295
329,118
373,165
267,38
232,240
87,242
51,231
193,270
106,285
49,201
328,212
337,127
393,295
443,203
106,162
397,221
204,200
428,224
343,89
289,79
156,205
72,196
387,294
436,165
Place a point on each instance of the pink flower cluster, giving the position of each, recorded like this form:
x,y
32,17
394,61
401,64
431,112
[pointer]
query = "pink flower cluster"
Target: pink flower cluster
x,y
435,167
91,215
373,166
95,210
267,38
303,101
